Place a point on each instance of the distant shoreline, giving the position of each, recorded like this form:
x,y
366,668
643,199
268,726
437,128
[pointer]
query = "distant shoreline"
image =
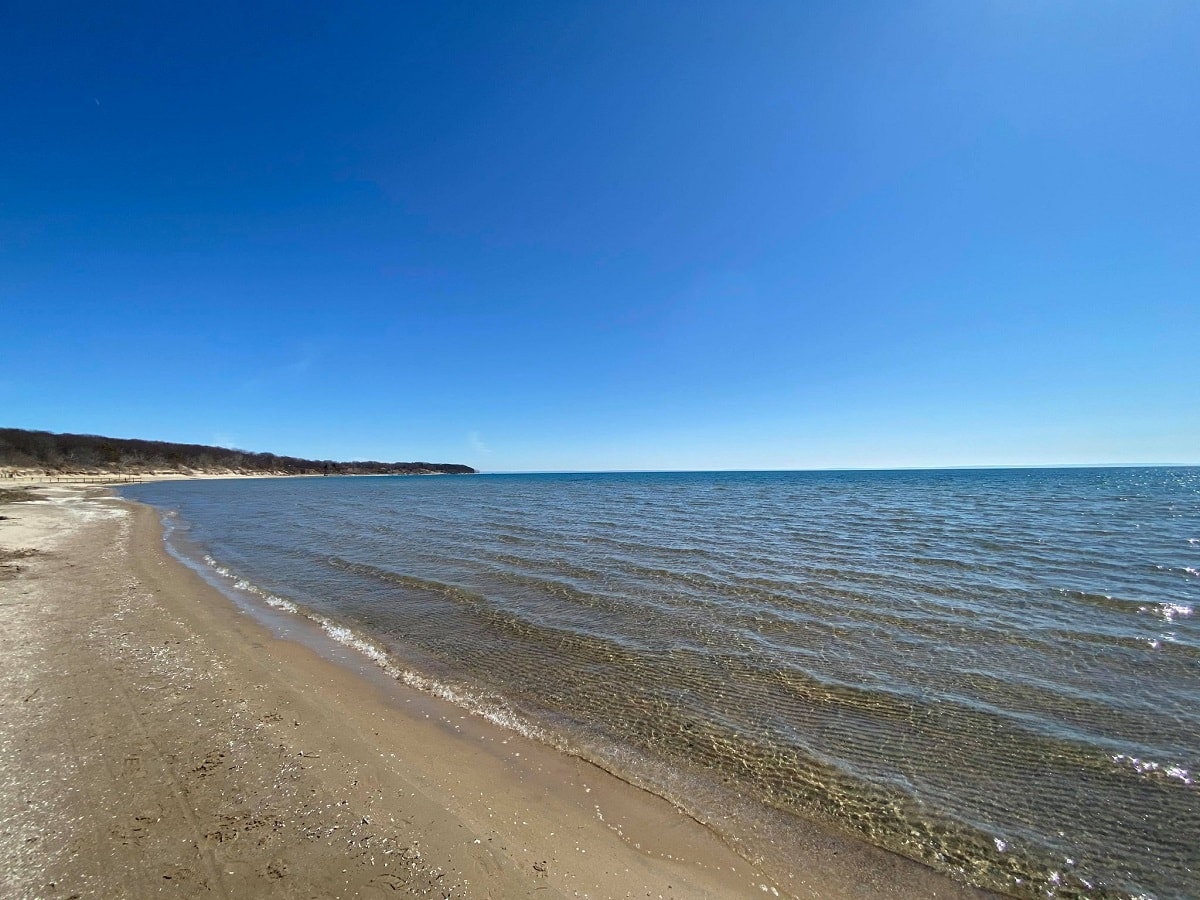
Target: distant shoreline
x,y
14,477
50,454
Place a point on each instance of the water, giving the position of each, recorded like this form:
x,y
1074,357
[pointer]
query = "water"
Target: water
x,y
994,672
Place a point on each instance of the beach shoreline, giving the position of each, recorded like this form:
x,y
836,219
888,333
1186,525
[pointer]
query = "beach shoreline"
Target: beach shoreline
x,y
158,740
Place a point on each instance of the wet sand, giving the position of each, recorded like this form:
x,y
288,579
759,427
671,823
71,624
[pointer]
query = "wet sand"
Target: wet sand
x,y
157,741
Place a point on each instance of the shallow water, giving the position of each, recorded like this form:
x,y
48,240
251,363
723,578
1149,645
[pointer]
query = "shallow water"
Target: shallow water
x,y
996,672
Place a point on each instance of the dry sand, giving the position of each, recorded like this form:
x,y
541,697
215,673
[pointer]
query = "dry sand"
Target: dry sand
x,y
155,741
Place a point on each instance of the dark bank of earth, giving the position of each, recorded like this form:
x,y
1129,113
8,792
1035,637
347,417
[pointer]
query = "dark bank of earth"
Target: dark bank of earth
x,y
89,453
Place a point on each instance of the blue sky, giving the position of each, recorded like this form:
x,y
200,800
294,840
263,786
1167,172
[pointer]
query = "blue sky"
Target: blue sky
x,y
607,235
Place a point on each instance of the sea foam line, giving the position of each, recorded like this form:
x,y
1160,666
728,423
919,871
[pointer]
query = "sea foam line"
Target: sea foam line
x,y
494,709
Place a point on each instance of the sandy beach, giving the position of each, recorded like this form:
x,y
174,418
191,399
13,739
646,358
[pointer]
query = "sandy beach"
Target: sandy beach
x,y
157,741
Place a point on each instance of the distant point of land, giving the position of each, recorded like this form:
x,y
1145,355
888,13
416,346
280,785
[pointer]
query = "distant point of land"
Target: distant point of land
x,y
41,452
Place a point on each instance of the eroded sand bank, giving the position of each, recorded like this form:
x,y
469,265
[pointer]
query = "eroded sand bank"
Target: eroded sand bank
x,y
156,741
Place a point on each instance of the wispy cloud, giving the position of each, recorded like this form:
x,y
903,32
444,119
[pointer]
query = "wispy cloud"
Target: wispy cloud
x,y
477,443
301,363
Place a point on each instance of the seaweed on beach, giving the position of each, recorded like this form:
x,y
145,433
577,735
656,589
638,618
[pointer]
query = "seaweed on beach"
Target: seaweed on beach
x,y
18,495
8,568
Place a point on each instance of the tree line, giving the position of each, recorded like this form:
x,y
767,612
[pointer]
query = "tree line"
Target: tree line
x,y
83,453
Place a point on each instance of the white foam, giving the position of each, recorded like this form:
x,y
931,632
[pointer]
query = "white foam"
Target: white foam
x,y
1149,767
348,638
1167,611
249,588
491,708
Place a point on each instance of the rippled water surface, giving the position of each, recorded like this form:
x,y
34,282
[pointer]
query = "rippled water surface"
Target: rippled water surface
x,y
995,672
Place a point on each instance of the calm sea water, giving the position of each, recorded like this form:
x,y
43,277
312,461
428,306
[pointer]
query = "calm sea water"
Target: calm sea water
x,y
994,672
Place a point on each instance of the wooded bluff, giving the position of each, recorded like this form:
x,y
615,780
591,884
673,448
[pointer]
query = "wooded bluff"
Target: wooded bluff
x,y
89,453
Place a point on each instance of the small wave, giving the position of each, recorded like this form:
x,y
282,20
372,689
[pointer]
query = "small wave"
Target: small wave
x,y
411,582
1106,601
247,587
491,708
1183,570
215,566
944,562
1155,770
1168,612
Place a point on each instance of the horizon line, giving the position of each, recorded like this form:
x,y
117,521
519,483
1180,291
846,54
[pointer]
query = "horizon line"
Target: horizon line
x,y
948,468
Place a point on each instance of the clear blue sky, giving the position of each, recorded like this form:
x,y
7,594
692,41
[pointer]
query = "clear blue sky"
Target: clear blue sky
x,y
607,235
